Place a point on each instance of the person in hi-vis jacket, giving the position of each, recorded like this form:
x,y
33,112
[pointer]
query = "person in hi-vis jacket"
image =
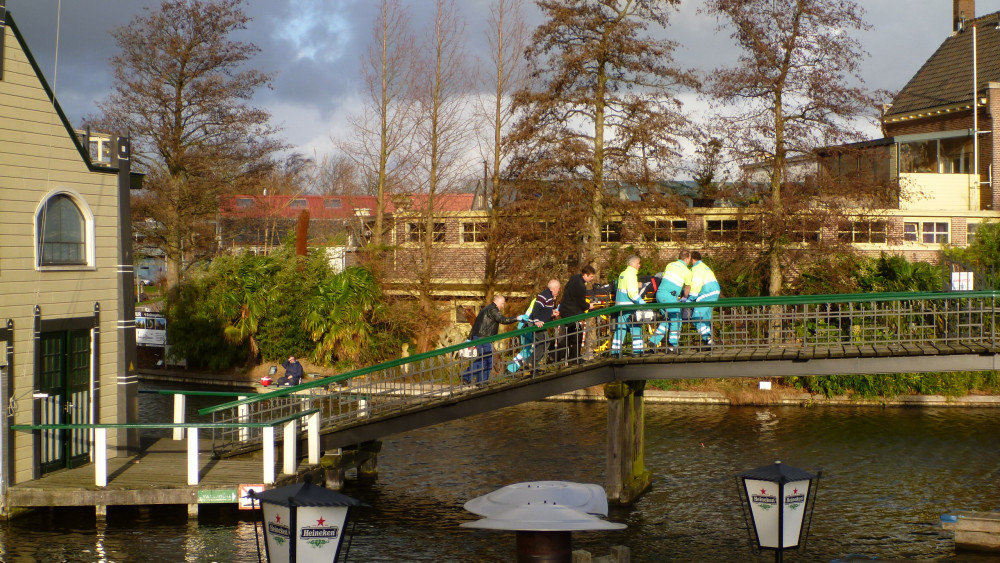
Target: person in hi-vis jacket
x,y
628,294
704,288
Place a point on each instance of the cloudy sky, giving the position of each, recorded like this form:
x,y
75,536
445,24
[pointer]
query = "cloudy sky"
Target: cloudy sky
x,y
314,47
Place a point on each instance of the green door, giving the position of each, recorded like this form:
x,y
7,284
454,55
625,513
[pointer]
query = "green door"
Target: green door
x,y
64,387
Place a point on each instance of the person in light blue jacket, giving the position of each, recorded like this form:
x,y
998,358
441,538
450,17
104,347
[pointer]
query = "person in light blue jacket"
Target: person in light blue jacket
x,y
704,288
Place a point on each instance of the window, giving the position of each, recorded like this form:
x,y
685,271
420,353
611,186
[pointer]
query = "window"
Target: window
x,y
875,232
920,157
805,231
731,230
298,203
474,232
667,231
611,232
332,203
244,202
950,155
956,155
62,232
927,232
415,232
935,233
970,230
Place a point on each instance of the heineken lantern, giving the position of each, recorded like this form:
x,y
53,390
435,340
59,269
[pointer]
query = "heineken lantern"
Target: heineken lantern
x,y
303,523
776,500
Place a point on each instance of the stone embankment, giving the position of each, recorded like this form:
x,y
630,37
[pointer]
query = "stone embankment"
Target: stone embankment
x,y
779,397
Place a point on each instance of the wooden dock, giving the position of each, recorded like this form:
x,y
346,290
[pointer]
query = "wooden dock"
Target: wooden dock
x,y
974,531
157,475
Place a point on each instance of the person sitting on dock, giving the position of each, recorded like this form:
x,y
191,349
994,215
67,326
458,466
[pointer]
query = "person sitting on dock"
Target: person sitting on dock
x,y
293,373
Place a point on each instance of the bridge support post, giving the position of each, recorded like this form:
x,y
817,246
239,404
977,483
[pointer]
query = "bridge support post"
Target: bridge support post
x,y
368,454
362,456
627,477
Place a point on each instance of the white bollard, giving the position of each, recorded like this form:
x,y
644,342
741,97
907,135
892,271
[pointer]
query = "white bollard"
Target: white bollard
x,y
314,438
244,414
101,457
269,455
180,402
289,445
192,434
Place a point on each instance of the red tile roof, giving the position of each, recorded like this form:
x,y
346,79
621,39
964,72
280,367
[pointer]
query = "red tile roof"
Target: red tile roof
x,y
334,206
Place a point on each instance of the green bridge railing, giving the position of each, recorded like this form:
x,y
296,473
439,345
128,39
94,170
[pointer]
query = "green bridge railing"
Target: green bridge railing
x,y
762,325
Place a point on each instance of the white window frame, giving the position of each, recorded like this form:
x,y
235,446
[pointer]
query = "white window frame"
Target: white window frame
x,y
474,235
919,236
89,245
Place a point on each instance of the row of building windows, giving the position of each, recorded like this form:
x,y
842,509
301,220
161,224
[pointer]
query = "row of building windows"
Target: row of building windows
x,y
62,231
727,230
297,203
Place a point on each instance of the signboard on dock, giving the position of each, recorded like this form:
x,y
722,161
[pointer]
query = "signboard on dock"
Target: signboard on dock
x,y
150,329
244,492
217,496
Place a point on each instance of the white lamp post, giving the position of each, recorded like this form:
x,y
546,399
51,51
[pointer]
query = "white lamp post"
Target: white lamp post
x,y
303,522
778,497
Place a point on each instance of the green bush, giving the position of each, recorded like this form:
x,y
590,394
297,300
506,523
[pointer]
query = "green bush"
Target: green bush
x,y
246,308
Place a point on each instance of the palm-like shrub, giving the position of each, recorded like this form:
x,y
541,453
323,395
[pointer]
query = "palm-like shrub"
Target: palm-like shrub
x,y
349,321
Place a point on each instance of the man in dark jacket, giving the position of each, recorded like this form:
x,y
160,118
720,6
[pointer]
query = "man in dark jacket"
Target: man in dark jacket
x,y
293,372
487,324
574,302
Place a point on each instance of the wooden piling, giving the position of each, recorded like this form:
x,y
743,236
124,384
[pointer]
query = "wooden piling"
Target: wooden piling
x,y
363,456
627,477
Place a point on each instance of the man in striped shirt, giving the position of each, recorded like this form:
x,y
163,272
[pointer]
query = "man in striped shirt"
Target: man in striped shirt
x,y
537,343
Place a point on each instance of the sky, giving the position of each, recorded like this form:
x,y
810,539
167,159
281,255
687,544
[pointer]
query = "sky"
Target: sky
x,y
314,47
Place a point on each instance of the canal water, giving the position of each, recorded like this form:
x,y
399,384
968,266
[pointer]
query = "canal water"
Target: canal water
x,y
888,475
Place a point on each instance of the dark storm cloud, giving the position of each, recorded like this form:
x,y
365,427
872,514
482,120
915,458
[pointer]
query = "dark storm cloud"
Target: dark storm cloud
x,y
314,47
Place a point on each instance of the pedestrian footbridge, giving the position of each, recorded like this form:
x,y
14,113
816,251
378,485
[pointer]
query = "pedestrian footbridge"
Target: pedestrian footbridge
x,y
345,416
758,337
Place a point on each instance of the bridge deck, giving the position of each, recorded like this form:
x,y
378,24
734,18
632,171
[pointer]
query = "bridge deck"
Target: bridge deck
x,y
442,402
155,476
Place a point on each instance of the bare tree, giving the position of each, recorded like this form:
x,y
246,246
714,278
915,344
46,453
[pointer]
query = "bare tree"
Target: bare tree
x,y
603,105
508,38
796,88
339,174
443,134
380,144
182,92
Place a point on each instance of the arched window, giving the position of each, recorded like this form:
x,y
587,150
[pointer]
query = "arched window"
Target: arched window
x,y
62,232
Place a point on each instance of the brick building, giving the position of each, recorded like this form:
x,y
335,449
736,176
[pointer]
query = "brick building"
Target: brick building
x,y
944,167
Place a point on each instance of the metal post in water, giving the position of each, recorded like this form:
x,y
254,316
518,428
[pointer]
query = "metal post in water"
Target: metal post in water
x,y
544,547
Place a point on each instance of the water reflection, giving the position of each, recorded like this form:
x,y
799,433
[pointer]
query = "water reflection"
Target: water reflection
x,y
888,474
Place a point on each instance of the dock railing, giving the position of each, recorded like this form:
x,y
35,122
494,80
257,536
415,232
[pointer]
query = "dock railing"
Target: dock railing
x,y
99,441
180,403
756,325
